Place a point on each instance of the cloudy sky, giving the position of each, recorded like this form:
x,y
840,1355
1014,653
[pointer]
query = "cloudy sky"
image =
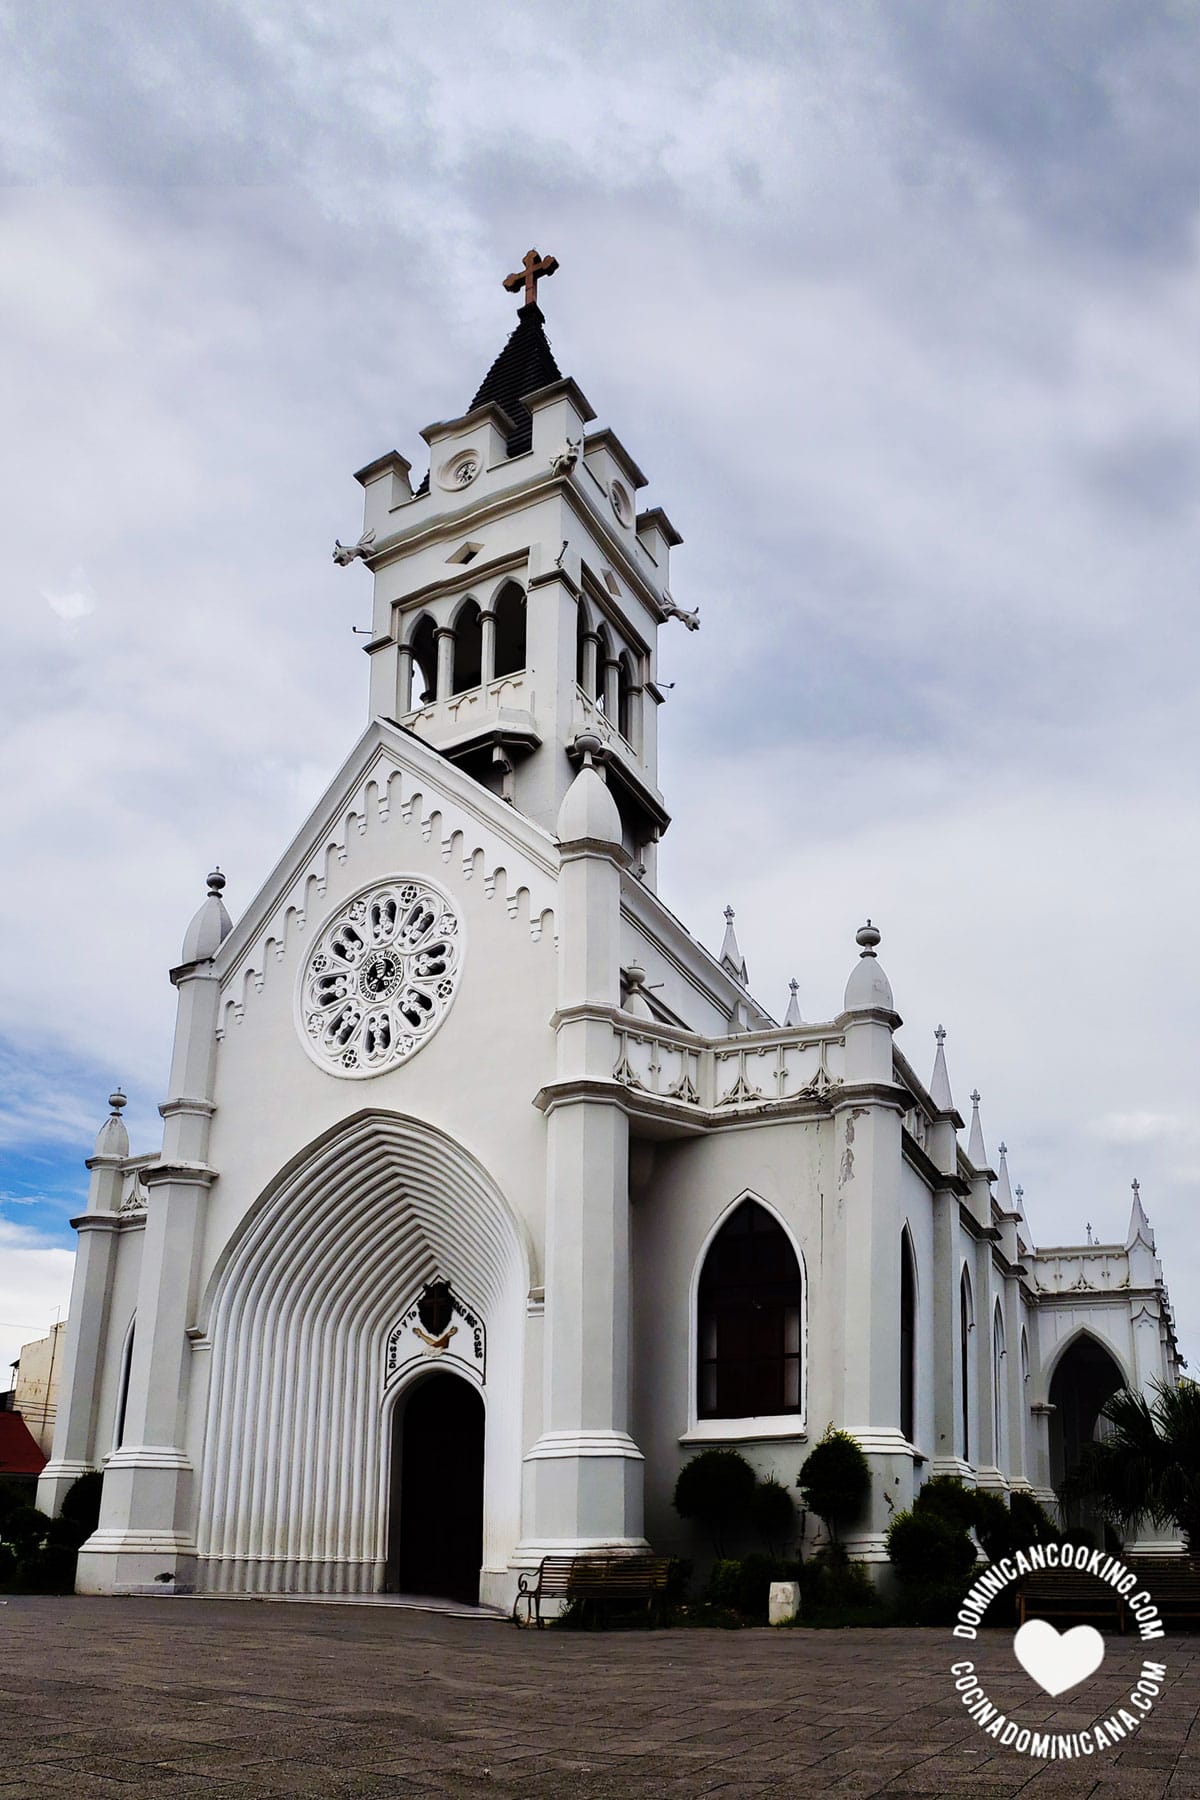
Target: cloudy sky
x,y
896,303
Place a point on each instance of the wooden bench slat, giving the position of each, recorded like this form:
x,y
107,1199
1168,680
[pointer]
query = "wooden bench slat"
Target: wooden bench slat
x,y
591,1578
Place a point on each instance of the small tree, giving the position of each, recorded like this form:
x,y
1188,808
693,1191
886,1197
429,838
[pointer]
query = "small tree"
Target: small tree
x,y
716,1488
835,1480
773,1514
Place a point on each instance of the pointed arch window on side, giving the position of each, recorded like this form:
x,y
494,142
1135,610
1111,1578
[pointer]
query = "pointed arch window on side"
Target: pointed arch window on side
x,y
123,1387
424,655
999,1356
966,1321
510,630
468,649
908,1337
749,1314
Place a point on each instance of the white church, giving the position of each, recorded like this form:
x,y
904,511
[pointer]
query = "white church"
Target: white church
x,y
486,1194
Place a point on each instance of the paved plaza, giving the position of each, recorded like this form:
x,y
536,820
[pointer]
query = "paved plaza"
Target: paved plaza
x,y
173,1697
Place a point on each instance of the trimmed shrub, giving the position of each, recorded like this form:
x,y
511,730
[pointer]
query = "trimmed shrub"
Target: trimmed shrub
x,y
835,1480
81,1503
773,1515
945,1497
716,1489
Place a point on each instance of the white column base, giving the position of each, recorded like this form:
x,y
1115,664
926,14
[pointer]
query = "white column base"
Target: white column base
x,y
54,1482
136,1562
953,1465
991,1481
584,1493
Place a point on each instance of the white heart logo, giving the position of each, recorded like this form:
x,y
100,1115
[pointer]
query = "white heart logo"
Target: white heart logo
x,y
1058,1660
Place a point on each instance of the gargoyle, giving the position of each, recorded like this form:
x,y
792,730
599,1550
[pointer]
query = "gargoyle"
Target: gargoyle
x,y
564,460
343,554
690,619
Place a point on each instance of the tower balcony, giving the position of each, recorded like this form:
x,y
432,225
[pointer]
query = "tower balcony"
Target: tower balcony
x,y
498,713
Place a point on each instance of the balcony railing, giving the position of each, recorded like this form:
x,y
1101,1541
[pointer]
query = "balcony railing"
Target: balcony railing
x,y
669,1064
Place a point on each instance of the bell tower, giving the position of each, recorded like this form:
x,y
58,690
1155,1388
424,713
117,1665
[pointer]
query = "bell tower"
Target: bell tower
x,y
519,590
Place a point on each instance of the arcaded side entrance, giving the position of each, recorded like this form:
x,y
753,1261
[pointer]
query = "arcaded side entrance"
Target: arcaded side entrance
x,y
435,1527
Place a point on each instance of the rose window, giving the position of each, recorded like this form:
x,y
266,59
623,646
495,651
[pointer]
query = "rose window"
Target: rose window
x,y
380,978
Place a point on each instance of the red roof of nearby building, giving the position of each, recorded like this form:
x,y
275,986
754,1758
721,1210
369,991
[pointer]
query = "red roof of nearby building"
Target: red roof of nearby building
x,y
19,1454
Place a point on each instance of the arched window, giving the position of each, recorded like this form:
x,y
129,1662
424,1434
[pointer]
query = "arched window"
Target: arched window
x,y
603,658
468,649
424,650
749,1348
123,1387
966,1321
581,646
510,630
624,698
999,1353
908,1338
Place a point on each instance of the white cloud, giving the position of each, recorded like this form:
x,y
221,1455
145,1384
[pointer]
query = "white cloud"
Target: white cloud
x,y
918,387
35,1289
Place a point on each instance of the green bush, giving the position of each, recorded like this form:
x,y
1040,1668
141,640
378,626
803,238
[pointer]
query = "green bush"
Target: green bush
x,y
716,1488
773,1514
1031,1522
835,1480
26,1529
927,1550
81,1503
833,1582
12,1495
945,1497
724,1582
994,1526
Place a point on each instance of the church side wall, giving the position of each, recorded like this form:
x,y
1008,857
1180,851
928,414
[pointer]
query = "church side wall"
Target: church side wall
x,y
121,1307
691,1186
916,1209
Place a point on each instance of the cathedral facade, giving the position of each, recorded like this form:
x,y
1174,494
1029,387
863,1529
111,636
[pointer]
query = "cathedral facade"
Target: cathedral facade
x,y
486,1195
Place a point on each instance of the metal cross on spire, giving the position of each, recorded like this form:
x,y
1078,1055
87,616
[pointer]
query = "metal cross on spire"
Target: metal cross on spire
x,y
533,268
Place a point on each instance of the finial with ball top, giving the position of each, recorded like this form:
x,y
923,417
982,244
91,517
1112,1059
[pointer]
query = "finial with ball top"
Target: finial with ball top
x,y
216,881
868,936
868,986
117,1100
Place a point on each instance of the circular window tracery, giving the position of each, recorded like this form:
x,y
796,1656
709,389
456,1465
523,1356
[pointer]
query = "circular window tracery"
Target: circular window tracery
x,y
380,978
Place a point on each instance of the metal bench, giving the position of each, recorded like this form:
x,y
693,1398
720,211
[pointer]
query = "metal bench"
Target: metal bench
x,y
620,1579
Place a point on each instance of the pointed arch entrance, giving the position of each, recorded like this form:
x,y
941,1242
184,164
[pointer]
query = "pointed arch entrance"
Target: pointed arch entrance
x,y
1084,1377
435,1515
301,1317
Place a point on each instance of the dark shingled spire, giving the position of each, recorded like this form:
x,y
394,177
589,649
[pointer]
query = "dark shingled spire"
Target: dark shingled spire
x,y
525,364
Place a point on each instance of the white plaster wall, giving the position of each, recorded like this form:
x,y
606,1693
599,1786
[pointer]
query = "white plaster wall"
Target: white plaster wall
x,y
122,1303
916,1209
690,1187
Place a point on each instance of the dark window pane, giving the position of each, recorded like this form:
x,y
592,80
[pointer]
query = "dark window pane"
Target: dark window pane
x,y
749,1320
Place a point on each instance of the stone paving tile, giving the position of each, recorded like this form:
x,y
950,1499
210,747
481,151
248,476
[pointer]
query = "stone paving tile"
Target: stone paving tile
x,y
173,1698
